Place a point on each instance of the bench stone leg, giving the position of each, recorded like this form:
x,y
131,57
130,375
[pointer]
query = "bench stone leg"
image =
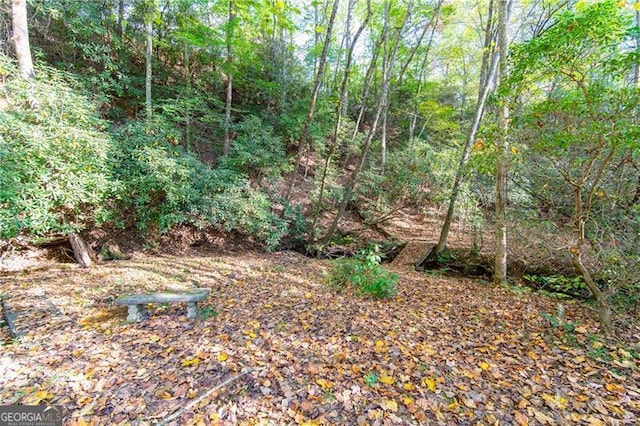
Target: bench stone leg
x,y
192,310
137,313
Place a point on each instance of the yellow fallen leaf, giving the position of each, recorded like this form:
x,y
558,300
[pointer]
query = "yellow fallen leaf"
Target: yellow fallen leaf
x,y
407,400
251,334
581,329
484,365
612,387
389,405
165,395
379,343
408,386
562,402
324,383
429,383
43,395
188,362
84,400
223,356
454,407
154,338
387,380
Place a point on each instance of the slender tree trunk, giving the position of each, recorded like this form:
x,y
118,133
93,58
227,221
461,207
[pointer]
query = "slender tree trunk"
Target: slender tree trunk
x,y
21,38
341,112
580,212
386,53
229,83
187,113
314,99
149,54
368,79
416,105
636,65
120,27
500,267
353,179
431,24
483,93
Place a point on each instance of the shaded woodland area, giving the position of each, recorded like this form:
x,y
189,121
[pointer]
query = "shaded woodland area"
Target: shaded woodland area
x,y
433,206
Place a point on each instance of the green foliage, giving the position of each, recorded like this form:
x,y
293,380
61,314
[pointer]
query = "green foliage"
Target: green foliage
x,y
165,186
413,175
53,150
207,312
365,274
371,378
256,151
559,283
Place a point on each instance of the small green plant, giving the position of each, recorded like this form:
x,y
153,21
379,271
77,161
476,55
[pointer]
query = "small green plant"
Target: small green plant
x,y
558,321
559,284
207,312
365,274
371,378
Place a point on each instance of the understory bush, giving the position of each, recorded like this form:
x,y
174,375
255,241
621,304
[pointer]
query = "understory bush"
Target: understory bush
x,y
53,154
256,151
412,175
163,186
62,170
364,274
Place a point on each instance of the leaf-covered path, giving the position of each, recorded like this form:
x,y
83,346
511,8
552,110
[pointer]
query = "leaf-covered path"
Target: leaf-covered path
x,y
443,351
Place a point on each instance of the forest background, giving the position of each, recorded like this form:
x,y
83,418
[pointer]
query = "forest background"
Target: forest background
x,y
274,121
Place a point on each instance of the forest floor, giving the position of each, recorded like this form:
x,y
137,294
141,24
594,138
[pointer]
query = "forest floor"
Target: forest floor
x,y
445,350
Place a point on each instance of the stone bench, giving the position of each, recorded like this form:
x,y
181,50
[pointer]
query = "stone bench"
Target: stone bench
x,y
137,302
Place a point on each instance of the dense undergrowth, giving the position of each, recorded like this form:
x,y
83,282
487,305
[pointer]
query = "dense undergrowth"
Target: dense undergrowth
x,y
65,168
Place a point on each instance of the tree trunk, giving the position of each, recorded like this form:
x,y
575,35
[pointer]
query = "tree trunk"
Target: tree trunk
x,y
228,83
483,93
21,38
341,111
604,309
80,250
148,58
314,99
636,65
500,266
187,112
416,105
120,27
353,179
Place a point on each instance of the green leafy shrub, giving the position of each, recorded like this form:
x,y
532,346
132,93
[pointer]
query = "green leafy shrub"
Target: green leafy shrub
x,y
574,286
53,151
163,186
412,175
256,151
365,274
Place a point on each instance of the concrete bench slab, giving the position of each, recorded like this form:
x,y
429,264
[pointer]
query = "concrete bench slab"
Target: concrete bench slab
x,y
137,302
